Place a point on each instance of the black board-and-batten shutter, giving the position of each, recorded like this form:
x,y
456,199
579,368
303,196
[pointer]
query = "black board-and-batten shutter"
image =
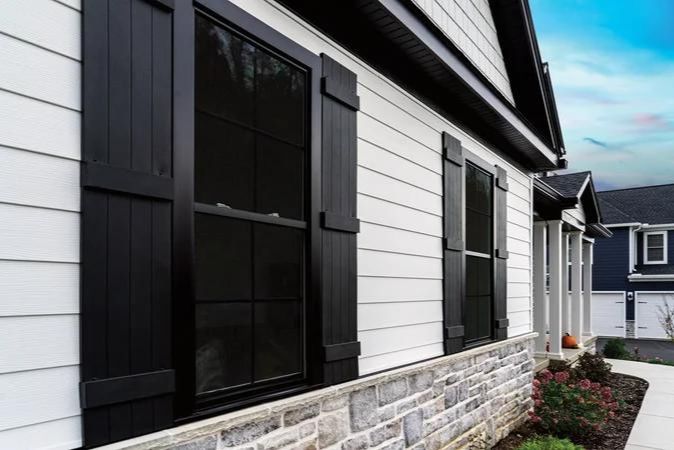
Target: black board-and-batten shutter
x,y
126,364
454,244
338,222
501,255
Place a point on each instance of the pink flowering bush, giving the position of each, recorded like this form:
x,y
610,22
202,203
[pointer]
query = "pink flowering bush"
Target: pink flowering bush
x,y
567,408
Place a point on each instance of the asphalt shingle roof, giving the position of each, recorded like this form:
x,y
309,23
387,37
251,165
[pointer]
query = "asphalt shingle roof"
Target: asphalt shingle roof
x,y
568,184
648,204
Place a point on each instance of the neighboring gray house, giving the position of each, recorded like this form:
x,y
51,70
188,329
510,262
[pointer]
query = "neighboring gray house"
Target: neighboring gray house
x,y
266,224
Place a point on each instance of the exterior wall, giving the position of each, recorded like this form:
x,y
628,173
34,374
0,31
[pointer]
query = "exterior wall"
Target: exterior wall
x,y
400,208
473,398
39,224
470,26
611,266
399,195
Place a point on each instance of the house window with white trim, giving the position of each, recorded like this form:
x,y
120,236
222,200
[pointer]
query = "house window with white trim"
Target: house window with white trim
x,y
655,247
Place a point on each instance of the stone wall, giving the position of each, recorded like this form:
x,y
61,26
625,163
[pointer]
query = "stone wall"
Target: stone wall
x,y
471,399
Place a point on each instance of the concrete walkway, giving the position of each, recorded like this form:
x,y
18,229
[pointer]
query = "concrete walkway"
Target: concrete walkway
x,y
654,427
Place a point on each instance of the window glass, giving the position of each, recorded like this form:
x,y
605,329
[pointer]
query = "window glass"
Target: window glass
x,y
250,125
223,345
479,228
278,344
655,246
478,305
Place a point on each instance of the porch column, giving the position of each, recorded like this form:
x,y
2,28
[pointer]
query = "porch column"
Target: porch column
x,y
587,292
576,245
566,310
540,300
555,255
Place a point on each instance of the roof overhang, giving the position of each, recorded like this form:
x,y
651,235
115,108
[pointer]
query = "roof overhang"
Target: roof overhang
x,y
398,40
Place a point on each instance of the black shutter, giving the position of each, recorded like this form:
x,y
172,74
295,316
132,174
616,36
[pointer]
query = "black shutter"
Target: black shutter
x,y
340,225
501,256
126,363
454,270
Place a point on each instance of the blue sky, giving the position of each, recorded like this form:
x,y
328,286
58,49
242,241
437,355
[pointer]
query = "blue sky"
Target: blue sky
x,y
612,66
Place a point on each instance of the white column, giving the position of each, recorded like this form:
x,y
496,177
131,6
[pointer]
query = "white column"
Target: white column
x,y
555,255
576,245
566,310
540,300
587,292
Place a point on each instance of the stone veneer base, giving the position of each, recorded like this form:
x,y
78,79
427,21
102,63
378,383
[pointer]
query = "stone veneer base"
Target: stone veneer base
x,y
470,399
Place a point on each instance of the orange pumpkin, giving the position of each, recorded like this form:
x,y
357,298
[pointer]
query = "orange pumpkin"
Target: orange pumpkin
x,y
569,341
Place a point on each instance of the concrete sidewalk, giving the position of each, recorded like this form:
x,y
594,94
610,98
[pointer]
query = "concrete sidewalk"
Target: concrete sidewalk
x,y
654,427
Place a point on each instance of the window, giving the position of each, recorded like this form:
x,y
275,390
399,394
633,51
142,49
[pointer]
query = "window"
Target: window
x,y
479,213
250,214
655,247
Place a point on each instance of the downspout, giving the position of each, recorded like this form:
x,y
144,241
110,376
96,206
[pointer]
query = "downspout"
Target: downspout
x,y
633,246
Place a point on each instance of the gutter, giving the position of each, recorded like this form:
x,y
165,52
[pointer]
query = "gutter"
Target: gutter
x,y
637,277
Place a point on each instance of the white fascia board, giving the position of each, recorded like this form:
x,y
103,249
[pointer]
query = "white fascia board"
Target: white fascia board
x,y
659,227
622,225
637,277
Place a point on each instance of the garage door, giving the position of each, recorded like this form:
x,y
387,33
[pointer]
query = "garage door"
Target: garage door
x,y
648,313
608,313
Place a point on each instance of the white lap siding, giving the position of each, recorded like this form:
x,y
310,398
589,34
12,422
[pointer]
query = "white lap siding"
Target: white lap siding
x,y
39,224
400,208
470,26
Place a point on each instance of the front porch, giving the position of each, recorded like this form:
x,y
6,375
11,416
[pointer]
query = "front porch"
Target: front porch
x,y
567,221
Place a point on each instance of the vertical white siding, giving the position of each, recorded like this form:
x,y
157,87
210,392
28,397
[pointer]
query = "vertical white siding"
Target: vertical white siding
x,y
400,208
39,224
470,26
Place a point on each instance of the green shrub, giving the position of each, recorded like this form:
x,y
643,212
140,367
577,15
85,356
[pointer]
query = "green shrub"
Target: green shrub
x,y
564,407
549,443
558,365
592,367
660,361
615,348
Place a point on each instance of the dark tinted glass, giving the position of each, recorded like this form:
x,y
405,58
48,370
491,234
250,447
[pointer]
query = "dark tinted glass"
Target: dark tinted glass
x,y
479,228
225,73
478,315
278,331
250,125
224,164
280,95
223,258
278,262
279,179
224,350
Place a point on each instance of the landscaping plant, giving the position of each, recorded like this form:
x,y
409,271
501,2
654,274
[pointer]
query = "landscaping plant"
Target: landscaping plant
x,y
592,367
549,443
615,348
666,319
566,408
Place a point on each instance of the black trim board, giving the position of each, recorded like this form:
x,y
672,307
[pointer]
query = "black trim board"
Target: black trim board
x,y
400,42
123,389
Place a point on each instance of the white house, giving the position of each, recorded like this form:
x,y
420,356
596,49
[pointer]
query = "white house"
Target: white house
x,y
268,223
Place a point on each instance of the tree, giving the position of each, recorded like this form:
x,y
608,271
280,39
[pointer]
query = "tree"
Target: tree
x,y
666,319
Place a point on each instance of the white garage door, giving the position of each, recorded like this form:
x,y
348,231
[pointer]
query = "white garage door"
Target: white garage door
x,y
648,313
608,313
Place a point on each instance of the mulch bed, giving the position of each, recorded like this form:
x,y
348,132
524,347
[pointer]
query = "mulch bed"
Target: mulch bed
x,y
630,390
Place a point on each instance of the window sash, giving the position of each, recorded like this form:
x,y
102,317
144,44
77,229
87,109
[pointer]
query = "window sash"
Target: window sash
x,y
650,248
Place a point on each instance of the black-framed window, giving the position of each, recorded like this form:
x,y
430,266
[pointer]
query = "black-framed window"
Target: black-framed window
x,y
251,112
479,253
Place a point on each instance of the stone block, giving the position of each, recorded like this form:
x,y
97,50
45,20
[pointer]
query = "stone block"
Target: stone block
x,y
420,381
384,433
242,434
307,429
392,391
357,443
334,403
406,405
363,409
332,428
387,413
278,441
450,397
413,426
396,445
295,416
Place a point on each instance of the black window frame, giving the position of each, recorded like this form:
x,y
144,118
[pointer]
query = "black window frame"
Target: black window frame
x,y
190,404
481,164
